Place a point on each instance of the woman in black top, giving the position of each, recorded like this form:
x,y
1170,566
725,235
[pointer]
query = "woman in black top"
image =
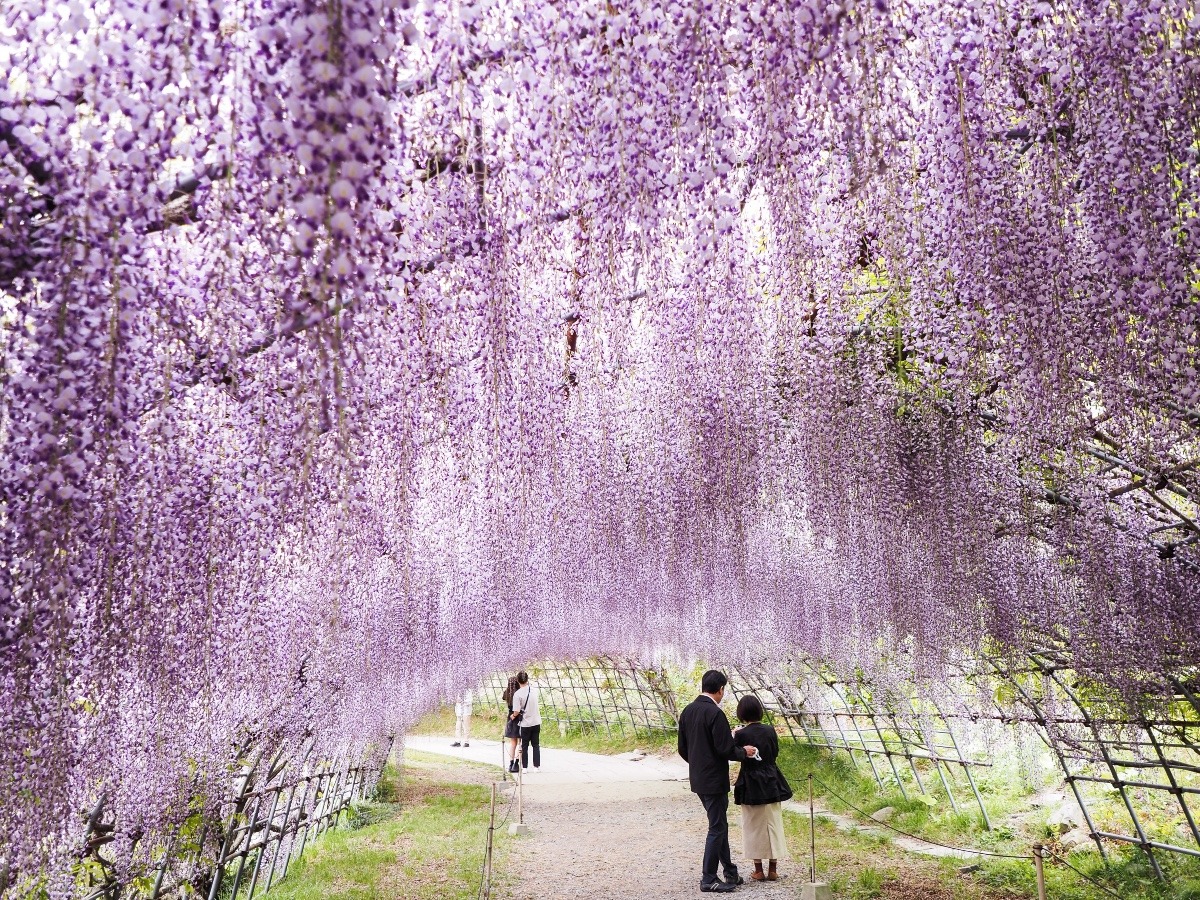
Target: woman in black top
x,y
760,790
512,730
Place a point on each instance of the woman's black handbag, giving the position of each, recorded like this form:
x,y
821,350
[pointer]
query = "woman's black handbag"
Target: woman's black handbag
x,y
512,728
761,784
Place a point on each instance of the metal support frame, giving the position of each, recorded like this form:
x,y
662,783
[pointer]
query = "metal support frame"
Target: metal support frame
x,y
1093,740
612,695
846,715
1098,739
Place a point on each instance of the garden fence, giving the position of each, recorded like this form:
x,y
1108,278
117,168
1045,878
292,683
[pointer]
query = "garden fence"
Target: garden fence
x,y
276,807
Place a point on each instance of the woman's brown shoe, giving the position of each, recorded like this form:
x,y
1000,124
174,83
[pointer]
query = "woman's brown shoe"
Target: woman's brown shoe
x,y
758,876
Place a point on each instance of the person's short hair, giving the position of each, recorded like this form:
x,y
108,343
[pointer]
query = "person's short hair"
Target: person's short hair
x,y
713,681
750,709
522,677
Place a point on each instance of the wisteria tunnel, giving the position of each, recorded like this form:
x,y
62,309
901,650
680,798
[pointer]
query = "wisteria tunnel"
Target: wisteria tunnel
x,y
357,350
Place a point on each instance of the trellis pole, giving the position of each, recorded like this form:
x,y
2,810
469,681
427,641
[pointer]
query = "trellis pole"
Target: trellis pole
x,y
266,841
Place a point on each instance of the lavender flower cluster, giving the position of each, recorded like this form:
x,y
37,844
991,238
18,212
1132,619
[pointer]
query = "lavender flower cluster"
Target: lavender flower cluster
x,y
353,349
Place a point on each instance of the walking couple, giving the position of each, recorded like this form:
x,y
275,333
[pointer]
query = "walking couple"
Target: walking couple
x,y
524,722
707,744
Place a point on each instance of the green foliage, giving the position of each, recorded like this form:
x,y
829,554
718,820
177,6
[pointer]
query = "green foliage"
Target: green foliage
x,y
584,737
836,779
438,721
1128,874
37,888
388,788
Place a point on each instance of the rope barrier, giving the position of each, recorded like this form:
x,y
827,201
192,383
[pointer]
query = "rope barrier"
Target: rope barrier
x,y
512,799
483,864
485,882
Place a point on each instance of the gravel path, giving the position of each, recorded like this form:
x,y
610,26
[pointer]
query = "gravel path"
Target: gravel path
x,y
619,839
608,826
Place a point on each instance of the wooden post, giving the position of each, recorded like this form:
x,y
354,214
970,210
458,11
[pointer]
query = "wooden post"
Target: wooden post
x,y
812,834
1041,875
487,858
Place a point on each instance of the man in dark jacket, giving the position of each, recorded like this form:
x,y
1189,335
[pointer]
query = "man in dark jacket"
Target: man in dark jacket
x,y
706,742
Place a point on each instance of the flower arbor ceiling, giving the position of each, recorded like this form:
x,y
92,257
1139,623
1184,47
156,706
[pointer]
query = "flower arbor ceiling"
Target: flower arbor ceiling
x,y
348,344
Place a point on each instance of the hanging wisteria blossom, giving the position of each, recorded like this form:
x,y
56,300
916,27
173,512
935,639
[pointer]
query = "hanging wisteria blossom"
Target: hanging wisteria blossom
x,y
337,333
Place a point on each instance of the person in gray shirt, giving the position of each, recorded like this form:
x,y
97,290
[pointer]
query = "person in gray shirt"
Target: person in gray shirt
x,y
525,707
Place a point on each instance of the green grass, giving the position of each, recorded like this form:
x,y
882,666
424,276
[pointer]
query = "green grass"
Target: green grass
x,y
861,866
441,721
418,759
927,814
424,841
1129,875
869,883
593,740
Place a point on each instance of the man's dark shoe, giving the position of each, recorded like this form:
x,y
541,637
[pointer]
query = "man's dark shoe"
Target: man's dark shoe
x,y
734,878
456,744
717,887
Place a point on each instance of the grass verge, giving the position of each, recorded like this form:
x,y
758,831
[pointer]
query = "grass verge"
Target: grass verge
x,y
862,866
424,841
594,740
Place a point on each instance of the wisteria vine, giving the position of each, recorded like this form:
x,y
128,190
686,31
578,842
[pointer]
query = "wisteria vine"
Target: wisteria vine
x,y
356,348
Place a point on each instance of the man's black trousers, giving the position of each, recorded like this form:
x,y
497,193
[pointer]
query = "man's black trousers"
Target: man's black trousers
x,y
531,734
716,845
